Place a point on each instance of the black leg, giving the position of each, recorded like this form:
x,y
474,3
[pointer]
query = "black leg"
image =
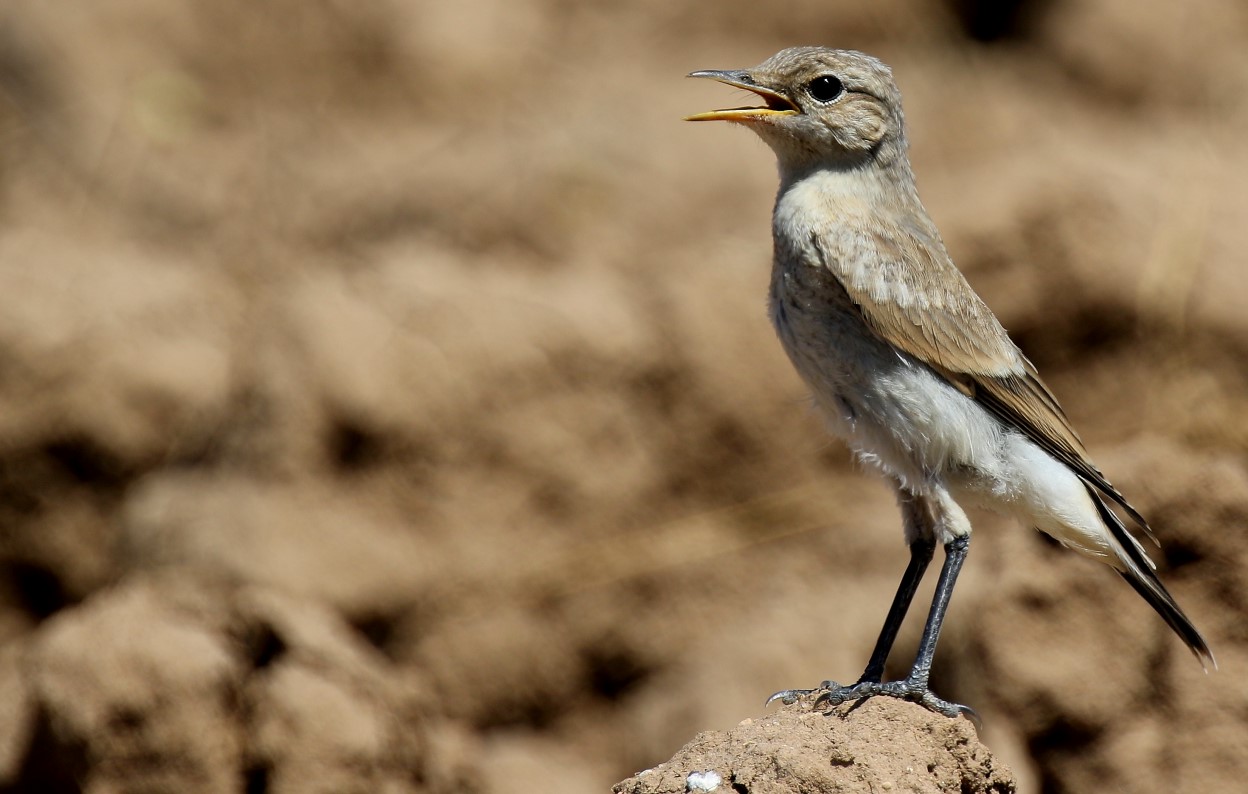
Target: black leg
x,y
921,552
914,688
955,555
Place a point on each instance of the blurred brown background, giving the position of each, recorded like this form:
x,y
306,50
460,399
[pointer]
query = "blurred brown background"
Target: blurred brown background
x,y
387,401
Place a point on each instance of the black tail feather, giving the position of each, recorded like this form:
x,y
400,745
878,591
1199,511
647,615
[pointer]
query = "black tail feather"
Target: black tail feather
x,y
1140,575
1170,612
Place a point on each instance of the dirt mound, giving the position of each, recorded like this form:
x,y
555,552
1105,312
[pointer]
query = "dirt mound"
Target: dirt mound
x,y
882,745
386,400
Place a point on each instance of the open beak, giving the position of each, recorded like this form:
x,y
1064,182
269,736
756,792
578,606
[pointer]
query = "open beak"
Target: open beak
x,y
777,104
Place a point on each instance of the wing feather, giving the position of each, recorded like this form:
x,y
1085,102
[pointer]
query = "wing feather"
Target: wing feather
x,y
910,294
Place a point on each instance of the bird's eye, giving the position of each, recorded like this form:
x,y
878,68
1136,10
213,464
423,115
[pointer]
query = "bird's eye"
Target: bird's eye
x,y
825,88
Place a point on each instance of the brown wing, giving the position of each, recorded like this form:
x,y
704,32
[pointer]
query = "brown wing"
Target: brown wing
x,y
942,322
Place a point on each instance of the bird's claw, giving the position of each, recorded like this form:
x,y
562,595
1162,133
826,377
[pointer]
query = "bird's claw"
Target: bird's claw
x,y
831,694
790,696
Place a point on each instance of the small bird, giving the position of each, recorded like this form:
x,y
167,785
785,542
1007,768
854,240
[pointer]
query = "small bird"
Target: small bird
x,y
905,361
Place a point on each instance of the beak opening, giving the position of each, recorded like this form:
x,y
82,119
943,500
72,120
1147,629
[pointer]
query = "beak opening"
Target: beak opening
x,y
777,104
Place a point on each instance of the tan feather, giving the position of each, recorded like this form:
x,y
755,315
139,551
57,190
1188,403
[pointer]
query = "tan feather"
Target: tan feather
x,y
944,324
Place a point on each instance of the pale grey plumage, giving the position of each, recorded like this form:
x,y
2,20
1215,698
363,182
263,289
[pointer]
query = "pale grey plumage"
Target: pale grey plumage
x,y
909,365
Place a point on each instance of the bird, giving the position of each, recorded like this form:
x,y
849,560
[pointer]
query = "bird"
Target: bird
x,y
904,360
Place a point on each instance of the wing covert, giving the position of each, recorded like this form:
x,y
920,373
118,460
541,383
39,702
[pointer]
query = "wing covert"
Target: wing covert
x,y
911,294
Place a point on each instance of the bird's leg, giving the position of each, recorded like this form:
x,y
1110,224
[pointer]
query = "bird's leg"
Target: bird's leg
x,y
919,524
915,685
921,551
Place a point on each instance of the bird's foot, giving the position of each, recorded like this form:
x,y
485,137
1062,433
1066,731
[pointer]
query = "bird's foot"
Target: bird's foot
x,y
790,696
830,694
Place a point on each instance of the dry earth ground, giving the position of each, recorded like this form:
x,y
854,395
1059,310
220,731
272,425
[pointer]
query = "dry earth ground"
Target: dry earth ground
x,y
387,403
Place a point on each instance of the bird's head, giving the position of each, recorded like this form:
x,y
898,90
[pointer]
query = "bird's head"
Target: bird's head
x,y
836,108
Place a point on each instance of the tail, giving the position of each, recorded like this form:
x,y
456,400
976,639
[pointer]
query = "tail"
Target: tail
x,y
1140,575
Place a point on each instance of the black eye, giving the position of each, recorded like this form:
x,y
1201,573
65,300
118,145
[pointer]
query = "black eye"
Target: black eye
x,y
825,88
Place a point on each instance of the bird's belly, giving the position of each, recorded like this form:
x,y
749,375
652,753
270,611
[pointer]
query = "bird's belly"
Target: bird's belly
x,y
893,411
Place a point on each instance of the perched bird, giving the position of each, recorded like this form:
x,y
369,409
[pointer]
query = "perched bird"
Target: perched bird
x,y
905,361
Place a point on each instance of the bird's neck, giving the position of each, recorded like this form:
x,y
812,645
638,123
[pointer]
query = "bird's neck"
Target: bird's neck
x,y
888,162
870,182
825,201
